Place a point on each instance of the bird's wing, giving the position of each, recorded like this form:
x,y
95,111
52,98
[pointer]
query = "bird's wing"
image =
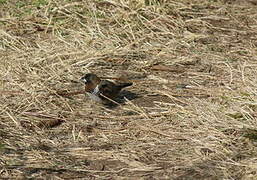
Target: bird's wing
x,y
108,88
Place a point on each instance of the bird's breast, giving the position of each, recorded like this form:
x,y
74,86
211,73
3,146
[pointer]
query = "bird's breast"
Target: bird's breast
x,y
94,97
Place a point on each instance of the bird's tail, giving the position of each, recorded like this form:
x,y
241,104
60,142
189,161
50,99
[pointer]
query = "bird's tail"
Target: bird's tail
x,y
123,85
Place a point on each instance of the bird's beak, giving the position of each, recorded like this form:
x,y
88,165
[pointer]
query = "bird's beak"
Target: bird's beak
x,y
83,80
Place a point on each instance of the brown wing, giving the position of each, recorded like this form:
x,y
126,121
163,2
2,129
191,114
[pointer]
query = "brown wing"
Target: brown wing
x,y
109,89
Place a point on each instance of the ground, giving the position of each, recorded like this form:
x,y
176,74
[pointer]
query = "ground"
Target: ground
x,y
190,114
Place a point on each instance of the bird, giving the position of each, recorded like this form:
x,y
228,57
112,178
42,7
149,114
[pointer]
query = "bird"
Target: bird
x,y
102,90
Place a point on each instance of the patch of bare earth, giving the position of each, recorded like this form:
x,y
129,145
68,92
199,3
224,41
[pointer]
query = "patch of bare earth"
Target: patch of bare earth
x,y
191,113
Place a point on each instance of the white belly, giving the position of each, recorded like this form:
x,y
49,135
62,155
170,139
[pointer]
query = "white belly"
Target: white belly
x,y
94,97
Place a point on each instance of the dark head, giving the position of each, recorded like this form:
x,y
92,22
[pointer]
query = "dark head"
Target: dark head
x,y
90,78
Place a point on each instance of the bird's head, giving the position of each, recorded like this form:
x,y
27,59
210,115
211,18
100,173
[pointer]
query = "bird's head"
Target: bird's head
x,y
90,78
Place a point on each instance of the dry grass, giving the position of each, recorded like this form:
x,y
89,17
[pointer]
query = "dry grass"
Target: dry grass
x,y
194,66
